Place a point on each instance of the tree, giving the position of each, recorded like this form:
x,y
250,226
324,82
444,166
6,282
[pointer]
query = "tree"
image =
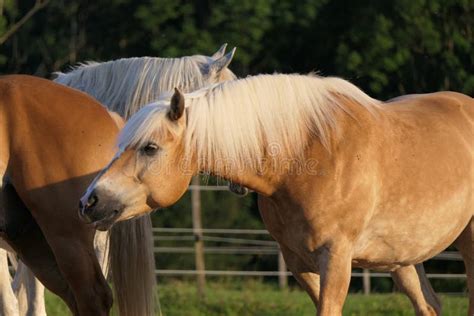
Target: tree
x,y
405,46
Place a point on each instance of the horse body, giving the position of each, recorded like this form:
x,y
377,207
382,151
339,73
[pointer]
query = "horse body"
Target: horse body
x,y
361,187
427,147
342,179
48,186
398,193
26,120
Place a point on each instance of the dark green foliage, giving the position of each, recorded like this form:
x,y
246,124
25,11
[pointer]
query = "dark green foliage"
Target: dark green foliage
x,y
387,47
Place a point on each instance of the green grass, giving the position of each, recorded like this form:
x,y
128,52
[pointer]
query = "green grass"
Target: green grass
x,y
253,298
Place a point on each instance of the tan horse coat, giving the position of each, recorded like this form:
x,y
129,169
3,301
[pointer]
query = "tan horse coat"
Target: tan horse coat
x,y
355,206
387,189
39,155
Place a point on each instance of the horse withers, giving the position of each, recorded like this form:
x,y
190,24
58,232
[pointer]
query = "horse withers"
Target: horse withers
x,y
343,180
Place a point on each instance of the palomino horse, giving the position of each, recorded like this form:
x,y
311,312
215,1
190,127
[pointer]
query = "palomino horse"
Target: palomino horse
x,y
343,180
149,76
125,85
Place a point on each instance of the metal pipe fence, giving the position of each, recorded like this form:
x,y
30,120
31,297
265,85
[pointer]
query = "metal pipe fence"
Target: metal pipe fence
x,y
248,246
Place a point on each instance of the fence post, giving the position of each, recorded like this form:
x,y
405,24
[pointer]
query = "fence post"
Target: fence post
x,y
198,243
282,277
366,281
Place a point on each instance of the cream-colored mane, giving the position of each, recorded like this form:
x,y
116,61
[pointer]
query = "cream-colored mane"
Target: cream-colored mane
x,y
243,120
124,85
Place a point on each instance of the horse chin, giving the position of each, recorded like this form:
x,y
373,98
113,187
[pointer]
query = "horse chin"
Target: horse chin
x,y
134,212
108,222
104,226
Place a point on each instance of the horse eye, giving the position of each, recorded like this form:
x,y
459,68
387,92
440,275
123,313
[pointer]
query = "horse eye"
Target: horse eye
x,y
150,149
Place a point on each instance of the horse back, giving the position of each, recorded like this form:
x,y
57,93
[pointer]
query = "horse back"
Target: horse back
x,y
448,103
449,114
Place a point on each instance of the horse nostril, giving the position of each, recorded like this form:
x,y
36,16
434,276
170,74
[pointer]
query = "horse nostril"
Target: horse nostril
x,y
92,200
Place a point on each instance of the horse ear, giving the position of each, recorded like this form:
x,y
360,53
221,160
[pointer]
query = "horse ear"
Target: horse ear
x,y
221,63
176,105
220,52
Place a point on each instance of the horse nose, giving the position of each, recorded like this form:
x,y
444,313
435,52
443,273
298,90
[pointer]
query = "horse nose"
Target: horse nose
x,y
86,209
92,200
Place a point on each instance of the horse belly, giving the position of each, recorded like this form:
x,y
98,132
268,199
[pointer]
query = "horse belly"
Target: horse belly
x,y
398,238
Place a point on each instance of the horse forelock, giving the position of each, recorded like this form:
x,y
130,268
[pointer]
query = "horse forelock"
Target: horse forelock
x,y
146,124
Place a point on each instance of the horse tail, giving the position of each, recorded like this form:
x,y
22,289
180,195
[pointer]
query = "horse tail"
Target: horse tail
x,y
132,267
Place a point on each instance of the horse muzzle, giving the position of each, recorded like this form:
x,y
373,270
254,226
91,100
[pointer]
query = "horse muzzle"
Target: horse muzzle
x,y
99,213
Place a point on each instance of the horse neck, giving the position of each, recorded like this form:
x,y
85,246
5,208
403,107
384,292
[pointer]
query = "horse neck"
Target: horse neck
x,y
280,173
263,183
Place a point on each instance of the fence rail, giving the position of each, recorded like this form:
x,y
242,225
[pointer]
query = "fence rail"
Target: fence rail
x,y
212,231
288,273
258,247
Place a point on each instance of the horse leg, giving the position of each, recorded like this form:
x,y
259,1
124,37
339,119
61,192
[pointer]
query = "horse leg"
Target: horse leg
x,y
66,272
33,249
30,292
335,266
78,263
428,291
8,301
465,245
413,282
305,276
63,258
73,246
25,237
92,293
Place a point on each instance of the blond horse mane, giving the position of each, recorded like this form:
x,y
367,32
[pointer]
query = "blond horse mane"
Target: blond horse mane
x,y
239,121
123,86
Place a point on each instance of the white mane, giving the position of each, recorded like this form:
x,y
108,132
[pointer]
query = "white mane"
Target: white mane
x,y
124,85
243,120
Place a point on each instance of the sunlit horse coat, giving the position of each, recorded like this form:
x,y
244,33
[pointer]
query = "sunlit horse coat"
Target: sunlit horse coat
x,y
343,180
